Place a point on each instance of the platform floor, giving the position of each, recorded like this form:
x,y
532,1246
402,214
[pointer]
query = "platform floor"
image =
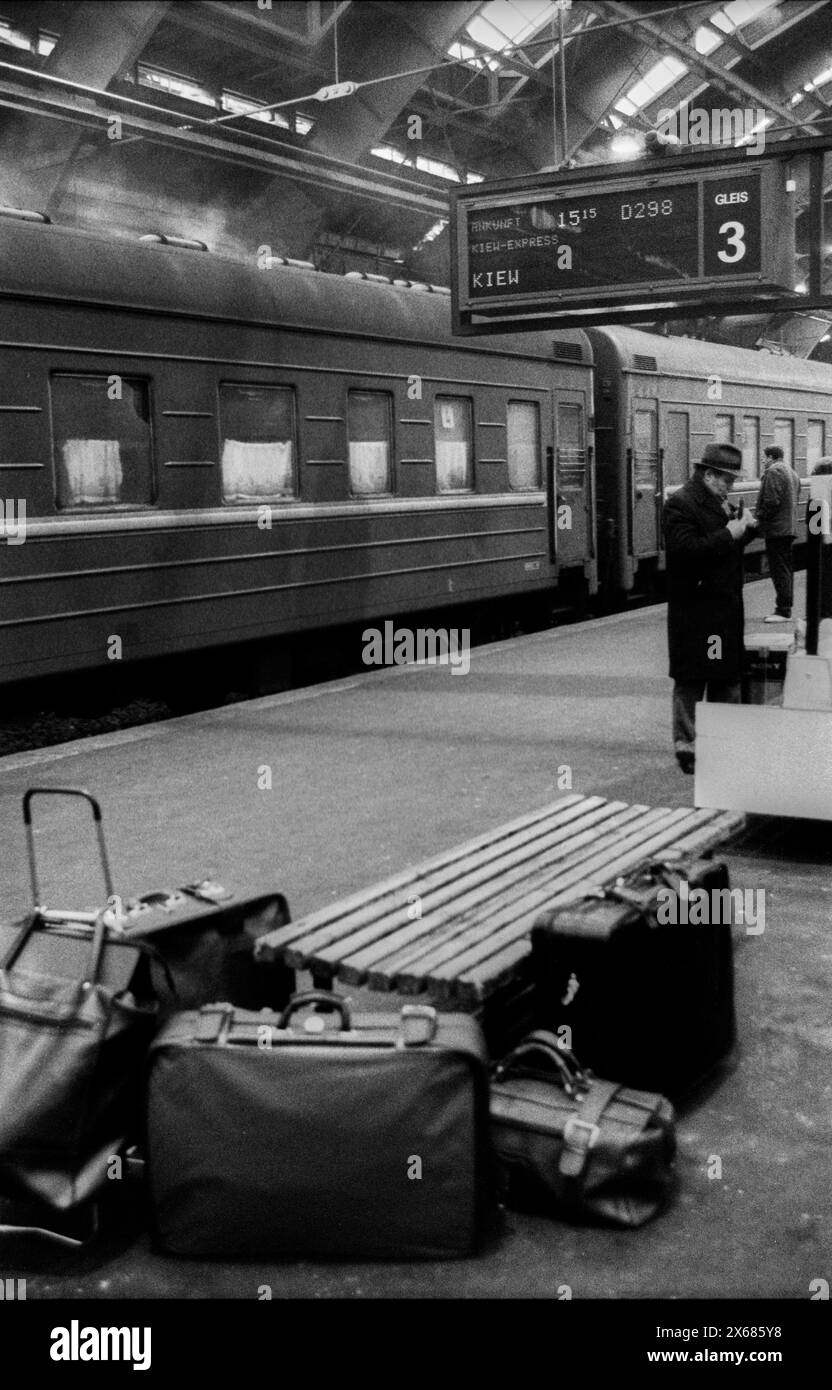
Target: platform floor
x,y
380,771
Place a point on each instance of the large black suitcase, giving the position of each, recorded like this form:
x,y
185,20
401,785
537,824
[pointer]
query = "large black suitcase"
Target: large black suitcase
x,y
647,1000
271,1134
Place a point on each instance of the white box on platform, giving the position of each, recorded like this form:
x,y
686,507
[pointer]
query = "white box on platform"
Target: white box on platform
x,y
764,759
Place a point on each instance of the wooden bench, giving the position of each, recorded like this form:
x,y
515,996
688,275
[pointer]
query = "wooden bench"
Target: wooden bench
x,y
457,927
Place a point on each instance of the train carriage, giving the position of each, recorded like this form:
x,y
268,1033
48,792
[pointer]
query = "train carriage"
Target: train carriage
x,y
211,451
659,401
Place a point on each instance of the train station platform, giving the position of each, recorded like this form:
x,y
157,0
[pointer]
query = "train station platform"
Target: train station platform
x,y
321,792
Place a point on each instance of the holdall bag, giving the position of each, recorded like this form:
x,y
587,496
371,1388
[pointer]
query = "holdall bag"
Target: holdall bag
x,y
268,1135
646,993
571,1145
183,948
71,1061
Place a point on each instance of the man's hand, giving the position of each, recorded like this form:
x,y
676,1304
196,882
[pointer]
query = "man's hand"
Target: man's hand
x,y
740,524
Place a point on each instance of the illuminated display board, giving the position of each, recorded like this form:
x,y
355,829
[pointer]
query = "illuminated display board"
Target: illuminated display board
x,y
671,235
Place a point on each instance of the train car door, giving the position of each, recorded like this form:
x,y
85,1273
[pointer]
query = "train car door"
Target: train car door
x,y
677,449
571,479
645,483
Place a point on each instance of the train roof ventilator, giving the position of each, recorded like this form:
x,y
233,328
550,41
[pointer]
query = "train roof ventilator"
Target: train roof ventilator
x,y
777,759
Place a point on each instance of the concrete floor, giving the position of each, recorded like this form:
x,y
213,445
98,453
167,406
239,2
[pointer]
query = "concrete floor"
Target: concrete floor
x,y
376,772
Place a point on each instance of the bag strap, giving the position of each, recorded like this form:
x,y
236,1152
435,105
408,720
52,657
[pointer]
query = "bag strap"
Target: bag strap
x,y
581,1131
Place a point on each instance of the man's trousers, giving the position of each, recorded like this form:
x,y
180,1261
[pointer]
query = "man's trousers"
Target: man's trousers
x,y
686,694
781,569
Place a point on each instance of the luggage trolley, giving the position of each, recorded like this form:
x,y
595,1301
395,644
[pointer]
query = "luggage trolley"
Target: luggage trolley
x,y
777,759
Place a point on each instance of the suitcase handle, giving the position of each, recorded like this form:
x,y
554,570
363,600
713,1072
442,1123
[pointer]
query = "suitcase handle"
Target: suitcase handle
x,y
30,839
545,1044
317,996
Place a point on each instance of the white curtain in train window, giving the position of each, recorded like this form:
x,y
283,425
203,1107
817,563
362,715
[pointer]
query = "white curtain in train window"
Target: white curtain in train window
x,y
452,433
91,472
523,444
256,470
369,466
369,417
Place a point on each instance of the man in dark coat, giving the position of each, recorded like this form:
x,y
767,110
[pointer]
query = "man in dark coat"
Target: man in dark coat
x,y
704,542
776,513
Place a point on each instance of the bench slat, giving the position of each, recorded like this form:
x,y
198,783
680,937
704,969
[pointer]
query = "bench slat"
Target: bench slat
x,y
487,885
469,926
380,917
336,912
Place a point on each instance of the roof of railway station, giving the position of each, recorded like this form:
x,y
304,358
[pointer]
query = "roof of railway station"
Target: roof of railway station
x,y
333,132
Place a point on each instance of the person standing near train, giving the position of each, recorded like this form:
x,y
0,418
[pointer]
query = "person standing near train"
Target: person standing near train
x,y
776,512
704,540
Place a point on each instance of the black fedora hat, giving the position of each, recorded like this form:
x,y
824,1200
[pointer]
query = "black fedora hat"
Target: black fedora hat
x,y
723,458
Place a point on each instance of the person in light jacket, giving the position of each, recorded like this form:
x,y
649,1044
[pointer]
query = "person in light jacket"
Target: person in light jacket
x,y
704,542
776,513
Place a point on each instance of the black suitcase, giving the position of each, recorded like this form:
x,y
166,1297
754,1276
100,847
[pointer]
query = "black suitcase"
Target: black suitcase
x,y
270,1134
649,1001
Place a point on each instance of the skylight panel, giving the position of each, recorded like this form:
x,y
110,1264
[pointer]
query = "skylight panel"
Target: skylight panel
x,y
13,36
505,22
388,152
437,168
705,40
626,107
661,76
741,12
244,106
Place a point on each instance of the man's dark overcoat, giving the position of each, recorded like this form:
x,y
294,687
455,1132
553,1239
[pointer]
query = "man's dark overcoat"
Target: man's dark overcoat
x,y
704,586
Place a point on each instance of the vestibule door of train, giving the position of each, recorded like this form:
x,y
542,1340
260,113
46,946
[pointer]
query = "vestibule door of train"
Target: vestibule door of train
x,y
645,482
572,481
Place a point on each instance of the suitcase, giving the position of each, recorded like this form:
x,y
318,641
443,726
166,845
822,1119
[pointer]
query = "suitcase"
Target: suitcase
x,y
648,1001
181,949
272,1135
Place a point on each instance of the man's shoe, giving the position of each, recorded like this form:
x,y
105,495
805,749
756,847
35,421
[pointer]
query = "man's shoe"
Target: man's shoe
x,y
686,761
776,618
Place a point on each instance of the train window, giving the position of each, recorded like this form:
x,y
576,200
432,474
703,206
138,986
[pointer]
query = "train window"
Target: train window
x,y
784,436
751,445
370,436
101,432
258,441
814,442
523,443
453,435
571,452
723,429
645,447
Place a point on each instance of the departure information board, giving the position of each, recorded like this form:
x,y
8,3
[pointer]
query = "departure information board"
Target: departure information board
x,y
610,242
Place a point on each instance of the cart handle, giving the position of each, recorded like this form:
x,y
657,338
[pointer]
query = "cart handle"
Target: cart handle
x,y
30,839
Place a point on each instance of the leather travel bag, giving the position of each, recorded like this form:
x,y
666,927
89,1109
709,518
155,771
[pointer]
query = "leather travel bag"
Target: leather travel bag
x,y
573,1146
642,975
319,1134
